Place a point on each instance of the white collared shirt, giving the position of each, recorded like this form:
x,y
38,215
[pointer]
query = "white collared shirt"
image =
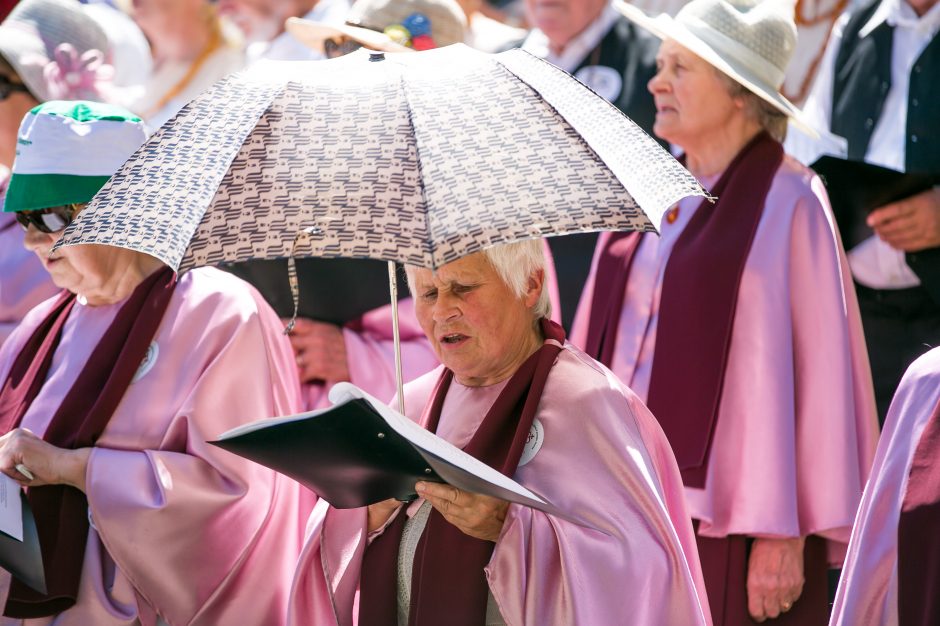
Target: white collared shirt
x,y
874,263
578,48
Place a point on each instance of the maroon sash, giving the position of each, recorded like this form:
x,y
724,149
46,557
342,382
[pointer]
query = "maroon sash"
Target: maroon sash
x,y
61,511
447,584
697,305
919,533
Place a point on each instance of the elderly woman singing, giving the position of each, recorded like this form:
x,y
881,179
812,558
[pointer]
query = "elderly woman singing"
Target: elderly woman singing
x,y
515,394
739,326
108,393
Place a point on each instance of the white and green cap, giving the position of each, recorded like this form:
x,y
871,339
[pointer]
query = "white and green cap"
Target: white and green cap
x,y
67,150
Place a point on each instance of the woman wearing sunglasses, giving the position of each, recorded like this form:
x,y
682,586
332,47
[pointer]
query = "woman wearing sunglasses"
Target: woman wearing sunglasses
x,y
108,394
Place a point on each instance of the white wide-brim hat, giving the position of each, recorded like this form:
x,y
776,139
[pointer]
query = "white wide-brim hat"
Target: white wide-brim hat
x,y
750,41
368,18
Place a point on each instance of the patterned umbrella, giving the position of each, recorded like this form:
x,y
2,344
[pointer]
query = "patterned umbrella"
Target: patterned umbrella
x,y
417,158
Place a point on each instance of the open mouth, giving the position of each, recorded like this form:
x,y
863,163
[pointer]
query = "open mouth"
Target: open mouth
x,y
453,338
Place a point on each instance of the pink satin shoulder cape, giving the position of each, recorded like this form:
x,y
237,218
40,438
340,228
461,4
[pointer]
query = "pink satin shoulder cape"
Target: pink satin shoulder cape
x,y
370,354
868,589
182,529
604,458
797,426
24,282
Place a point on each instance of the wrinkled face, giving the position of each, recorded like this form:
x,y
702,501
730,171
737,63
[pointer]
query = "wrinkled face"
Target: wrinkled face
x,y
477,326
258,20
561,20
87,270
691,99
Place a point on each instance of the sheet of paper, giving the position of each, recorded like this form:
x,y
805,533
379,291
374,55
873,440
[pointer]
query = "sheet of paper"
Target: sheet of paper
x,y
11,508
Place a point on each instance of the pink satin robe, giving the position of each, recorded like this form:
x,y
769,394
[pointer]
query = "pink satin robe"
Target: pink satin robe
x,y
868,589
605,459
182,529
24,282
797,426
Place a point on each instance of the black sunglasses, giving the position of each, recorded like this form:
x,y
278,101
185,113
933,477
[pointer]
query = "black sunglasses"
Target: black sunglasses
x,y
334,48
52,220
7,87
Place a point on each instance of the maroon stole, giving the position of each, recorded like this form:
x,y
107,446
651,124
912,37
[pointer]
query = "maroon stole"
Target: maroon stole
x,y
697,305
61,511
919,533
448,585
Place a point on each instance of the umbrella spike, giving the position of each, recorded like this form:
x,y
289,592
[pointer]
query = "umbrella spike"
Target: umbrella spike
x,y
393,290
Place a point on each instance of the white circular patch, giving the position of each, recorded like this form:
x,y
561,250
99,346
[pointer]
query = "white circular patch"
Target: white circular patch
x,y
605,81
153,351
533,442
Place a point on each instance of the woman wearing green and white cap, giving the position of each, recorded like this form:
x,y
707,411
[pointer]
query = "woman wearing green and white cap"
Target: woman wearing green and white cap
x,y
108,394
738,325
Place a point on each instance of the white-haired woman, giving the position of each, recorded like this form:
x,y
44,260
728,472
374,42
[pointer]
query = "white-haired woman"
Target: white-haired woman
x,y
738,325
514,394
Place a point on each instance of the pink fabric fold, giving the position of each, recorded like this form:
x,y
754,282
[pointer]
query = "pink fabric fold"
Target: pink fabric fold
x,y
868,589
181,529
605,458
797,428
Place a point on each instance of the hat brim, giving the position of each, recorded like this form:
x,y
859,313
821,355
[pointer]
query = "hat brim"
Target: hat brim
x,y
666,27
33,192
14,46
314,34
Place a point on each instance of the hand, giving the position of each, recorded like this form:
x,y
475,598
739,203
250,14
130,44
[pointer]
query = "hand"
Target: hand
x,y
911,224
774,576
320,351
48,464
380,512
473,514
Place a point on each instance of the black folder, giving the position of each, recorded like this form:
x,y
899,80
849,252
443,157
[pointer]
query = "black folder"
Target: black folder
x,y
23,559
336,291
351,455
857,188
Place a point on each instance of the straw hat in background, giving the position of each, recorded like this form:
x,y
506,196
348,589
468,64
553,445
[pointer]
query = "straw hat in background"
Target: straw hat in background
x,y
388,25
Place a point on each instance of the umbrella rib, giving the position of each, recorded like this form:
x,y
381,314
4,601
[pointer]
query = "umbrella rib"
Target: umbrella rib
x,y
429,252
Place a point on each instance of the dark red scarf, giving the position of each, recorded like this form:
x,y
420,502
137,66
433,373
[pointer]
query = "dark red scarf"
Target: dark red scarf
x,y
919,533
447,584
697,305
61,512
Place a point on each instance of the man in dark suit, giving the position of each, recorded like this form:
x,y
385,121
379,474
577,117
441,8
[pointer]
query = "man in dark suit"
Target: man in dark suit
x,y
878,89
609,54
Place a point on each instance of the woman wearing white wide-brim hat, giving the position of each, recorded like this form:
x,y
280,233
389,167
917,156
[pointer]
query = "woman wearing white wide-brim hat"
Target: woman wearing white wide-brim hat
x,y
738,325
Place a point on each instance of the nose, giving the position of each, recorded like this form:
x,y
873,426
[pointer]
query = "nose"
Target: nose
x,y
445,307
657,83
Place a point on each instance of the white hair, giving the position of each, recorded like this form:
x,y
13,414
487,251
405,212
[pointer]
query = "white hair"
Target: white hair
x,y
514,263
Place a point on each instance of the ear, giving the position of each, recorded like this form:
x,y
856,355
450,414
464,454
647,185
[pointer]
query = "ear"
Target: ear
x,y
534,288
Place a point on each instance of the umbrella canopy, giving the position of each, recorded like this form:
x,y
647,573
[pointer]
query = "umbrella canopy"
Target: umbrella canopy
x,y
417,158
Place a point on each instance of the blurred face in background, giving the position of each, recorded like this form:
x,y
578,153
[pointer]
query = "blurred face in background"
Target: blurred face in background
x,y
15,102
262,20
562,20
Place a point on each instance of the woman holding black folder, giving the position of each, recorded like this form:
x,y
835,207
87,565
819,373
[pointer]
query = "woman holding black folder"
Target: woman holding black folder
x,y
513,393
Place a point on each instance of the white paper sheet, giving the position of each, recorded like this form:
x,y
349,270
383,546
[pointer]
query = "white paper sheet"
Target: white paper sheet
x,y
11,508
